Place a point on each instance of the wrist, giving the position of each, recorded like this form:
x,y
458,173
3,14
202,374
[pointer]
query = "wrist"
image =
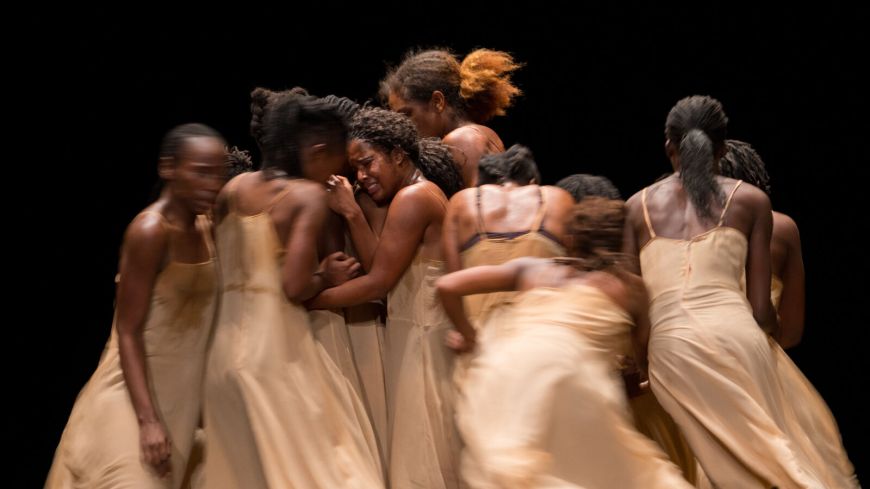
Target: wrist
x,y
147,418
321,281
353,212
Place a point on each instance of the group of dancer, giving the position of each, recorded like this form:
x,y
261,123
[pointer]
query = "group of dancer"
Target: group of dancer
x,y
393,299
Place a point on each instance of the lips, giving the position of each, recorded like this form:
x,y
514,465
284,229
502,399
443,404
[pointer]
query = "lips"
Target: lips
x,y
372,188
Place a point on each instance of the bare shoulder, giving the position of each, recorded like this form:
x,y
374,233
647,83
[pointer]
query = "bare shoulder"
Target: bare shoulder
x,y
468,136
146,239
462,198
785,228
753,197
537,272
634,203
557,196
420,193
148,228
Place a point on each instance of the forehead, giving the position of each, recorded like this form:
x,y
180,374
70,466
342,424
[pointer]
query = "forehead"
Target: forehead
x,y
396,102
203,147
358,148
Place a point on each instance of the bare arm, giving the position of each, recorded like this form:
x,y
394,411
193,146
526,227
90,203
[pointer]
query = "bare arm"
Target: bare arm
x,y
641,331
629,237
145,246
467,148
791,306
758,263
476,280
342,201
450,232
301,276
410,213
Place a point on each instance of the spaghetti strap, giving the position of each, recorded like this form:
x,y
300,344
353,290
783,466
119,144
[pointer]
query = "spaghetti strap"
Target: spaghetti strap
x,y
441,198
277,198
652,233
542,211
728,202
204,223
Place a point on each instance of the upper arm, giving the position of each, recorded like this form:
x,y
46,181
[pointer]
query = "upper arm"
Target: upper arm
x,y
629,236
792,302
485,279
308,213
408,217
467,149
375,216
641,316
142,256
559,206
758,256
450,240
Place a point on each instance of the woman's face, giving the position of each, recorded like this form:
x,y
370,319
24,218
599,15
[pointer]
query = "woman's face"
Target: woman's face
x,y
198,172
320,161
425,115
378,172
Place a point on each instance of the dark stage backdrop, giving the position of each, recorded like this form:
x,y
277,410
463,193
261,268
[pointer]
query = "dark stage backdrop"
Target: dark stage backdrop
x,y
597,86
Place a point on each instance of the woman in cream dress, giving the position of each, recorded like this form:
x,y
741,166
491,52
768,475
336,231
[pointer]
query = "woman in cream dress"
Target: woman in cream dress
x,y
279,413
544,405
133,424
711,365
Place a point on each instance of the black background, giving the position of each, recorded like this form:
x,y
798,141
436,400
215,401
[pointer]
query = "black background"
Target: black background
x,y
102,86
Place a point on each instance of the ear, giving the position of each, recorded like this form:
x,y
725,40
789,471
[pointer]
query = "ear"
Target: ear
x,y
437,102
312,151
166,167
397,156
670,150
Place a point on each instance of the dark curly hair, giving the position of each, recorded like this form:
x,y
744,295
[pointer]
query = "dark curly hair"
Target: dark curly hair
x,y
387,130
517,164
581,186
595,228
479,87
281,122
743,163
238,161
437,165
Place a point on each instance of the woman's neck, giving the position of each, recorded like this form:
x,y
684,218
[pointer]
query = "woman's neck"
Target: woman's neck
x,y
175,211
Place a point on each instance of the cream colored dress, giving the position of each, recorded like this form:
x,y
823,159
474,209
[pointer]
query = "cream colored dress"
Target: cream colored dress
x,y
738,401
278,412
490,248
100,444
544,406
424,444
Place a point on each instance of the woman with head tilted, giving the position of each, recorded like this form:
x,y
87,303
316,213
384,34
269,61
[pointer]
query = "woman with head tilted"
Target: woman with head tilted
x,y
543,405
451,100
403,266
649,417
710,363
278,411
133,423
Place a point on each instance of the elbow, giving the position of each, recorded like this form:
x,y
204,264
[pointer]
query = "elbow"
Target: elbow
x,y
296,292
379,290
790,336
442,287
